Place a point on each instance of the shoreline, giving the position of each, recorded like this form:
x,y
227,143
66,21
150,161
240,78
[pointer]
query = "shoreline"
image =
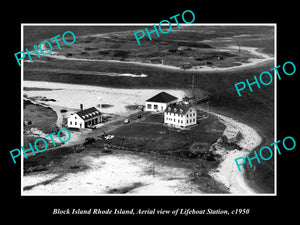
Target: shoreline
x,y
261,58
227,172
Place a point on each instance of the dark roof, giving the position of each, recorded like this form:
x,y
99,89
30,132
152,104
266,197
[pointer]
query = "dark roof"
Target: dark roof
x,y
89,113
162,97
179,108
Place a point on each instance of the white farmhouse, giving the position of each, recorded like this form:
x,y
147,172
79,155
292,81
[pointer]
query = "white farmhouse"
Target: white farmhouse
x,y
159,102
180,115
85,118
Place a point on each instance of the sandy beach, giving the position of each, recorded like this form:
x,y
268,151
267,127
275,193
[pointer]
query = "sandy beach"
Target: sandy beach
x,y
109,173
70,96
228,172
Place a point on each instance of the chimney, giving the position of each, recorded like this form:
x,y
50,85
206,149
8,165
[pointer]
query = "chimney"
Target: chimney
x,y
81,107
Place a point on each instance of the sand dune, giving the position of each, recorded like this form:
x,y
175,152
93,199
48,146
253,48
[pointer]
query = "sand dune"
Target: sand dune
x,y
113,174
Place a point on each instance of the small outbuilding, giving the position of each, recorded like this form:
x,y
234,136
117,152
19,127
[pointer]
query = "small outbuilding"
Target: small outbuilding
x,y
159,102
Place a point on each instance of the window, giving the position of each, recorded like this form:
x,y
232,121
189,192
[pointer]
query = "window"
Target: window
x,y
187,121
193,114
193,120
187,115
155,107
190,120
70,122
174,120
75,118
181,121
149,106
178,121
75,123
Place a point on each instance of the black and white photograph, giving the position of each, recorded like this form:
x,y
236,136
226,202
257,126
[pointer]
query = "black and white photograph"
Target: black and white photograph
x,y
159,118
149,111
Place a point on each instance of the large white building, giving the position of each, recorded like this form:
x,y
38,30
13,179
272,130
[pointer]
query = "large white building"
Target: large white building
x,y
180,115
85,118
159,102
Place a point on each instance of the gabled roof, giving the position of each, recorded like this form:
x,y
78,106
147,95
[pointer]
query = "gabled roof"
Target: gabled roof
x,y
89,113
178,108
162,97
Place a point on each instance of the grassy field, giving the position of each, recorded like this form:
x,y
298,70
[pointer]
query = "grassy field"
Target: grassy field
x,y
38,117
159,138
188,46
42,118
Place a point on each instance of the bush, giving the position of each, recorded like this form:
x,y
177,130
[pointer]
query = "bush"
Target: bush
x,y
89,140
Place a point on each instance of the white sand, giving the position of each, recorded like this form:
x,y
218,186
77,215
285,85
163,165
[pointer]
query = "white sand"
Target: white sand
x,y
115,172
70,96
228,172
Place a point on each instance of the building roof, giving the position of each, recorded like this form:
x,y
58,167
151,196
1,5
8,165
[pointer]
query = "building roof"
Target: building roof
x,y
89,113
179,108
162,97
